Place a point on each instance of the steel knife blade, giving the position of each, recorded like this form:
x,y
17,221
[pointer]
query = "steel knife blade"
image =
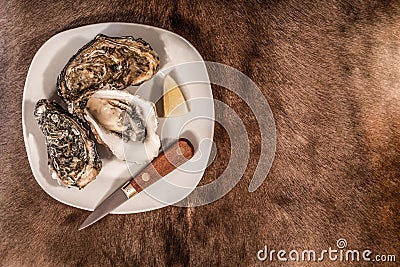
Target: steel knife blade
x,y
172,157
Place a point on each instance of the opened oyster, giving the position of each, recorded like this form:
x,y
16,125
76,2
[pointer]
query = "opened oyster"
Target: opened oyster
x,y
113,62
72,155
125,123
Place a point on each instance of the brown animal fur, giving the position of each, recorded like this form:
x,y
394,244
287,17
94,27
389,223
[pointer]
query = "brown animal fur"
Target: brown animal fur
x,y
330,71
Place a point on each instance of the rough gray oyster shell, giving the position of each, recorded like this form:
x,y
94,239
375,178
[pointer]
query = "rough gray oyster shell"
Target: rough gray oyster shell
x,y
72,155
105,62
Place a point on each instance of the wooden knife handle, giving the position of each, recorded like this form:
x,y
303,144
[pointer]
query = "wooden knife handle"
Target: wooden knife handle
x,y
174,156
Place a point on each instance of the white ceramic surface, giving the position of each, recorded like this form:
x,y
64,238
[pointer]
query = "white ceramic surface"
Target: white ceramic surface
x,y
198,125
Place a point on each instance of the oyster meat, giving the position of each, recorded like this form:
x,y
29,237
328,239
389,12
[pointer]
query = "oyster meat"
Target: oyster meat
x,y
111,62
125,123
72,155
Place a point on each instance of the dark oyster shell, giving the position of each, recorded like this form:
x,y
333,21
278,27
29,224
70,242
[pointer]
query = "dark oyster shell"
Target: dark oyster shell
x,y
72,155
110,62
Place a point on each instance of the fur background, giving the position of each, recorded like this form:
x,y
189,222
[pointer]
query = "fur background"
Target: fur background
x,y
331,73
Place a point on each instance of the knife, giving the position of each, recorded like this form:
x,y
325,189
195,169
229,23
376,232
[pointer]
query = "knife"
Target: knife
x,y
174,156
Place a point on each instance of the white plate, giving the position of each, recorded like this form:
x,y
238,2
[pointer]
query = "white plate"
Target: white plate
x,y
172,49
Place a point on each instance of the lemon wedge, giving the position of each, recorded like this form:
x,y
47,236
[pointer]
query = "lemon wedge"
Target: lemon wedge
x,y
174,102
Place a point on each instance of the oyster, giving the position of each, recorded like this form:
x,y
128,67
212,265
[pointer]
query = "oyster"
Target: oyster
x,y
124,123
114,62
72,155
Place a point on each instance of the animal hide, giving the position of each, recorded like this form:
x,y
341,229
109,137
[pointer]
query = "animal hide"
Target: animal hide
x,y
330,71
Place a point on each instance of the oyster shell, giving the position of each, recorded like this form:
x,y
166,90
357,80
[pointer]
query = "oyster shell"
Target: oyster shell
x,y
124,123
72,155
113,62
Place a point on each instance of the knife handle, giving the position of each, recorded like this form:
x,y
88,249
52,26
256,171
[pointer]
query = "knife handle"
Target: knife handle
x,y
174,156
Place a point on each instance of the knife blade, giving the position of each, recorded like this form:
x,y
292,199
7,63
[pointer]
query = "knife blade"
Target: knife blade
x,y
174,156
